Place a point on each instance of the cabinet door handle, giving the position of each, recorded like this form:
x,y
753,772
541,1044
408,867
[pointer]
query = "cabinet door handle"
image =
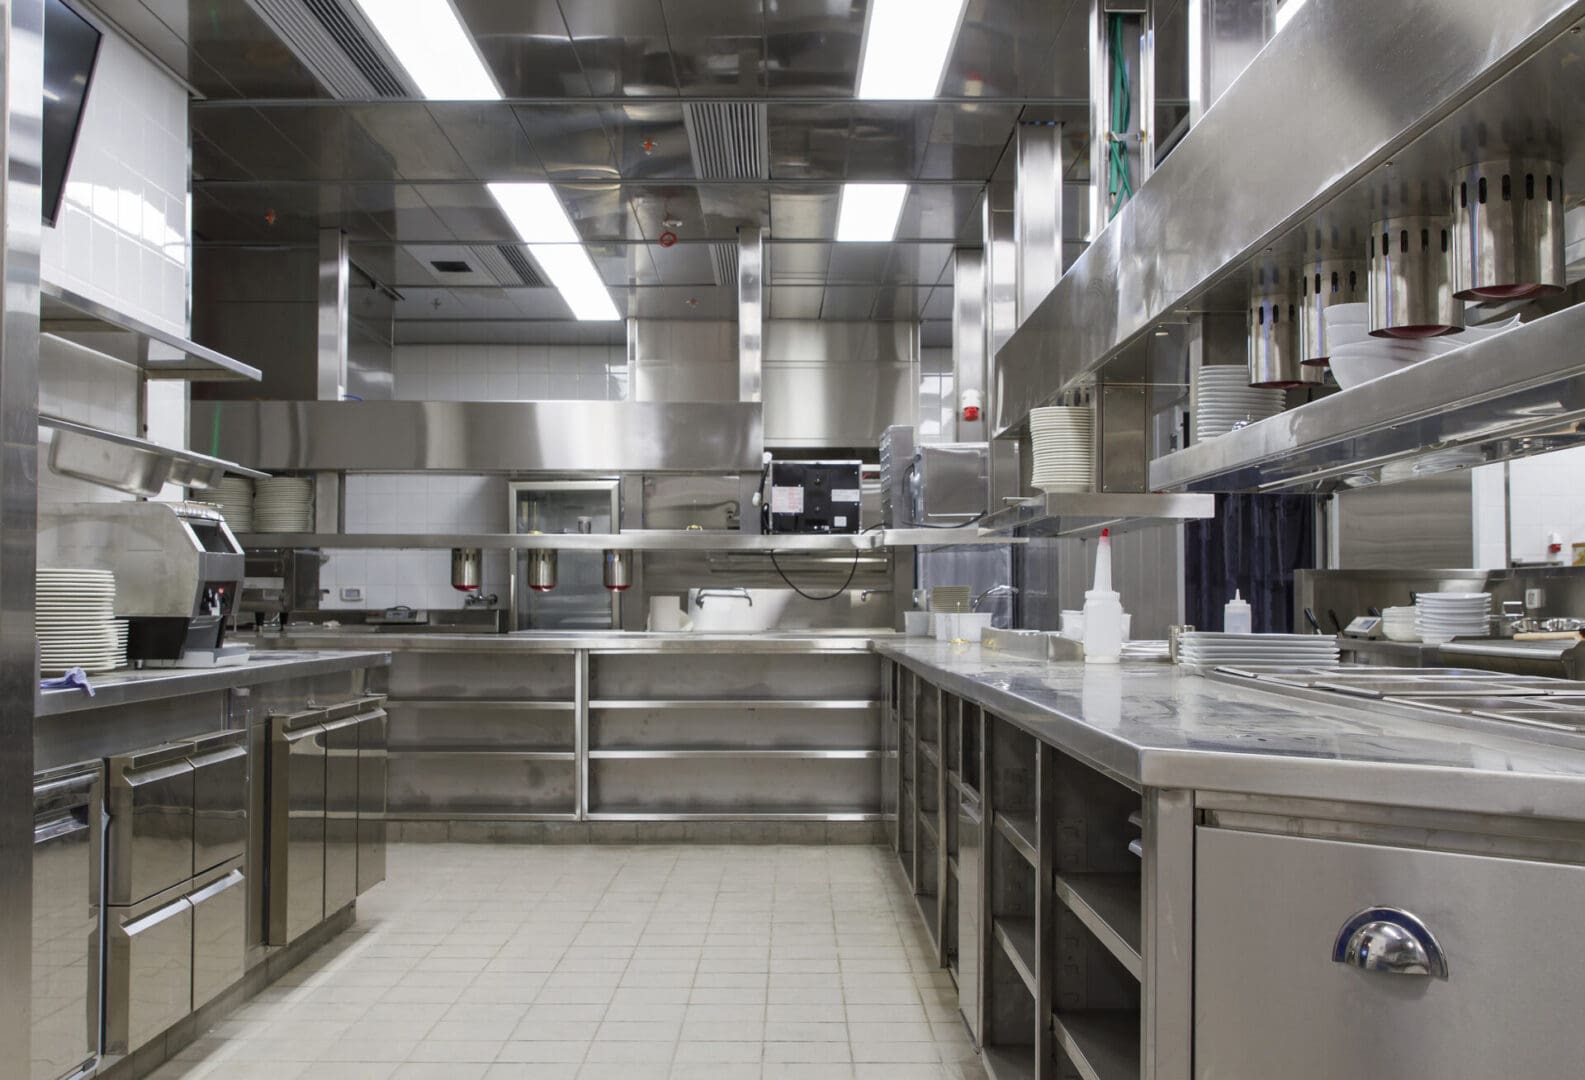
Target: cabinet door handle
x,y
1391,941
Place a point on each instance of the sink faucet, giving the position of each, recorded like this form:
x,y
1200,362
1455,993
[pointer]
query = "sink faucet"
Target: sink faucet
x,y
994,590
738,593
473,600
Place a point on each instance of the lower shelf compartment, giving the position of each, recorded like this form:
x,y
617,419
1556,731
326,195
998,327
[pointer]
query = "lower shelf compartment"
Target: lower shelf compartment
x,y
1009,1062
1101,1045
756,814
1110,906
1017,939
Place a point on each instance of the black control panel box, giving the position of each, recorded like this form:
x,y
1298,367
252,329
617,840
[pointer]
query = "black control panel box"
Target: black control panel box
x,y
812,497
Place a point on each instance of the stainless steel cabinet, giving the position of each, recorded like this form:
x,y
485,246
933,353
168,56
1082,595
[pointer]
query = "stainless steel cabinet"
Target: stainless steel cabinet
x,y
67,906
1276,995
150,973
341,807
151,822
220,798
296,830
373,774
219,903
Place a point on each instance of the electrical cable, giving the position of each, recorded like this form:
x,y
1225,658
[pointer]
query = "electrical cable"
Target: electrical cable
x,y
852,572
1119,183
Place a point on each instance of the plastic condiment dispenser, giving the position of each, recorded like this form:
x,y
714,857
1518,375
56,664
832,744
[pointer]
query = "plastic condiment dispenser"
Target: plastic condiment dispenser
x,y
1103,610
1235,615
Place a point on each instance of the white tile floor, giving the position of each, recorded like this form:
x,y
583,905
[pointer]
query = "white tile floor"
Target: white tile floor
x,y
627,963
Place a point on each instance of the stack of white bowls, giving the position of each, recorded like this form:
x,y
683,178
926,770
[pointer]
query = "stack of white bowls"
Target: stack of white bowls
x,y
234,496
1064,438
74,618
1443,616
283,504
1224,400
1398,624
1357,357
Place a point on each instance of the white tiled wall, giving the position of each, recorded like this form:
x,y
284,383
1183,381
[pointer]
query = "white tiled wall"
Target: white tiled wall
x,y
937,397
1546,495
511,372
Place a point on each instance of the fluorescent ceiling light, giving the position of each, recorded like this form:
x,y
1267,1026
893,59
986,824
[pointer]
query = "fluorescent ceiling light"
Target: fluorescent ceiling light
x,y
870,211
1286,10
540,222
430,42
906,45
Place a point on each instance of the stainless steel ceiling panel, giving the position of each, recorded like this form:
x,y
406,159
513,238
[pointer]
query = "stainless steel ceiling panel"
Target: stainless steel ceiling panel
x,y
520,331
917,264
792,263
804,213
600,211
939,304
411,219
795,301
538,303
807,141
242,136
622,47
228,36
649,139
850,302
409,135
901,302
718,47
427,303
864,263
812,47
1003,45
468,212
655,204
967,141
728,206
339,147
166,45
623,265
526,45
571,141
390,264
886,141
684,264
489,139
682,302
939,211
267,213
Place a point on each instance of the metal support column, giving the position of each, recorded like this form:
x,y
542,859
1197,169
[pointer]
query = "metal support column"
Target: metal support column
x,y
1037,213
22,50
750,312
1046,778
968,340
580,732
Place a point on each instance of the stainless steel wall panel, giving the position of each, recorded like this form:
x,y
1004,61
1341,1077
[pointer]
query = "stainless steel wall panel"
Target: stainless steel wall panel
x,y
682,360
968,342
558,436
1412,525
838,383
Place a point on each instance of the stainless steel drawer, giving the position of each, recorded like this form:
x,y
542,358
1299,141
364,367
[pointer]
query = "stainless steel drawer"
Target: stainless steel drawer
x,y
296,835
341,812
1271,1001
220,914
220,798
151,822
149,976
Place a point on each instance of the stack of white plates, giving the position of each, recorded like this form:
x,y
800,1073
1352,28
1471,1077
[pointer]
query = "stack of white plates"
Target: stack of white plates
x,y
949,599
283,504
1398,624
1224,400
234,496
1063,437
1208,650
1443,616
123,633
74,617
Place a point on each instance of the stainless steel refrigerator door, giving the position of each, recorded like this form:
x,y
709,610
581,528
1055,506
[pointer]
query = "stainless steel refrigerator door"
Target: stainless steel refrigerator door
x,y
151,823
341,813
150,973
66,922
296,892
220,921
220,798
373,775
1271,1001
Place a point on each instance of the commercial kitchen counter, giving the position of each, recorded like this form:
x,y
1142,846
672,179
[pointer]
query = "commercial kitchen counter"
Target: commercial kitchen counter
x,y
1154,726
530,641
154,684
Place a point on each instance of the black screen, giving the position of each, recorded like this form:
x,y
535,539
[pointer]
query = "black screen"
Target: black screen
x,y
70,47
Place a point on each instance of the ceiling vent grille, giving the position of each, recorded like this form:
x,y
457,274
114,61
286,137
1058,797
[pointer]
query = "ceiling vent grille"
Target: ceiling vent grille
x,y
338,48
509,264
728,140
723,259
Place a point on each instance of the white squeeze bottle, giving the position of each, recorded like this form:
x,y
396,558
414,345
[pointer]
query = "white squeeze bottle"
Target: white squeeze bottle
x,y
1235,615
1103,610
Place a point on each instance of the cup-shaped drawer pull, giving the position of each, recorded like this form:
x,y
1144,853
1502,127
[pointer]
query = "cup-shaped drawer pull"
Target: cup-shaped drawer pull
x,y
1389,940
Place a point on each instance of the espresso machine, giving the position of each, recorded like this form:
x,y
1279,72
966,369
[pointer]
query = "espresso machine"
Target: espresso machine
x,y
178,569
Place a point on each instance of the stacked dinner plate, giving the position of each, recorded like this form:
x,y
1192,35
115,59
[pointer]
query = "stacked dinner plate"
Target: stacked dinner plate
x,y
1208,650
74,617
234,496
949,599
1063,438
1225,400
1443,616
283,504
123,634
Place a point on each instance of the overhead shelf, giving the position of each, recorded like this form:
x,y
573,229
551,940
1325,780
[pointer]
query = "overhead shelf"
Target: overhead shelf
x,y
700,540
1515,394
160,353
1085,514
129,464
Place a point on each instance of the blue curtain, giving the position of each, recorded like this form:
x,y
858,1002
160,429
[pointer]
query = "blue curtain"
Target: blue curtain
x,y
1253,545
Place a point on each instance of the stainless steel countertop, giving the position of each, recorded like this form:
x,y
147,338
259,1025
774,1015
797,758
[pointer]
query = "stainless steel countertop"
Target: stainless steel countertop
x,y
836,641
127,687
1153,725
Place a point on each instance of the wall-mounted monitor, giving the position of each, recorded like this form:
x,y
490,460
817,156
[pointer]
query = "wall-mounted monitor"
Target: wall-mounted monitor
x,y
71,45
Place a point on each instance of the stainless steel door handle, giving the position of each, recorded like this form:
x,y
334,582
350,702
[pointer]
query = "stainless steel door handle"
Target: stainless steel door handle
x,y
1391,941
